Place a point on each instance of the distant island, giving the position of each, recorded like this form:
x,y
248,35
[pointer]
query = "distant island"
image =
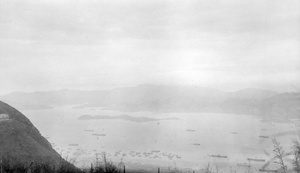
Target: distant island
x,y
123,117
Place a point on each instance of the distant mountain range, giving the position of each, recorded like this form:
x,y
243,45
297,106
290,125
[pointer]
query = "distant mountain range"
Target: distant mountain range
x,y
22,142
164,98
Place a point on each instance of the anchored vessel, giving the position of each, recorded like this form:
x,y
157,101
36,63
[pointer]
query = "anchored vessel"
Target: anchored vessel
x,y
190,130
88,130
256,160
267,170
97,134
155,151
243,165
219,156
264,136
74,145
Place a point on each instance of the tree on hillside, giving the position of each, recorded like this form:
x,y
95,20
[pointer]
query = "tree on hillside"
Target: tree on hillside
x,y
296,152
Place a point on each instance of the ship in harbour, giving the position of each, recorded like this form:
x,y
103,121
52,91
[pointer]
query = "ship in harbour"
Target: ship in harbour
x,y
243,165
264,136
219,156
89,130
267,170
190,130
98,134
256,160
73,145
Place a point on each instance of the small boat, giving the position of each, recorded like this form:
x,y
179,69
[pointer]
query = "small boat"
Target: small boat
x,y
264,136
267,170
219,156
196,144
256,160
190,130
155,151
243,165
98,134
234,133
73,145
89,130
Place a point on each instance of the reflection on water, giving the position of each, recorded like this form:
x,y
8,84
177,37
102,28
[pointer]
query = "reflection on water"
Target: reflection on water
x,y
192,140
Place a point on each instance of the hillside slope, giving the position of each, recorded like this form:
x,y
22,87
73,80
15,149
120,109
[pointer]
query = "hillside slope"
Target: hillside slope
x,y
20,139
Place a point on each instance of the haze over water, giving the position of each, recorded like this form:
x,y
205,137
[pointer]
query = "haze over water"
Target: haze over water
x,y
173,141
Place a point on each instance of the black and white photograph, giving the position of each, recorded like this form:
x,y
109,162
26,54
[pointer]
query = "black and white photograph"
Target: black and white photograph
x,y
149,86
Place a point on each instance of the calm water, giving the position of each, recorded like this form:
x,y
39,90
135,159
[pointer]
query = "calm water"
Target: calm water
x,y
186,142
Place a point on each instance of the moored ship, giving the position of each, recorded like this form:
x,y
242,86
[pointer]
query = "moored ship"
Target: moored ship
x,y
264,136
243,165
256,160
73,145
190,130
98,134
219,156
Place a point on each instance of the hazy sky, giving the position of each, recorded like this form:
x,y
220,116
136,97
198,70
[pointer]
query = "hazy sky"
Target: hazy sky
x,y
81,44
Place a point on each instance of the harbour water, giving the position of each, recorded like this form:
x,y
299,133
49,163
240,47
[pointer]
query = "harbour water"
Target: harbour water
x,y
188,141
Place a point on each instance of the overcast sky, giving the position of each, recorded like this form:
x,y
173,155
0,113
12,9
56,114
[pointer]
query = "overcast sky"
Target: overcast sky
x,y
81,44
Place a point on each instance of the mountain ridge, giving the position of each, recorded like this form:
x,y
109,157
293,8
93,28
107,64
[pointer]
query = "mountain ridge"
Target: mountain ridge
x,y
166,98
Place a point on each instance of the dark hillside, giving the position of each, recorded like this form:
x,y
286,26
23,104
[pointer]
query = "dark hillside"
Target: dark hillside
x,y
20,139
